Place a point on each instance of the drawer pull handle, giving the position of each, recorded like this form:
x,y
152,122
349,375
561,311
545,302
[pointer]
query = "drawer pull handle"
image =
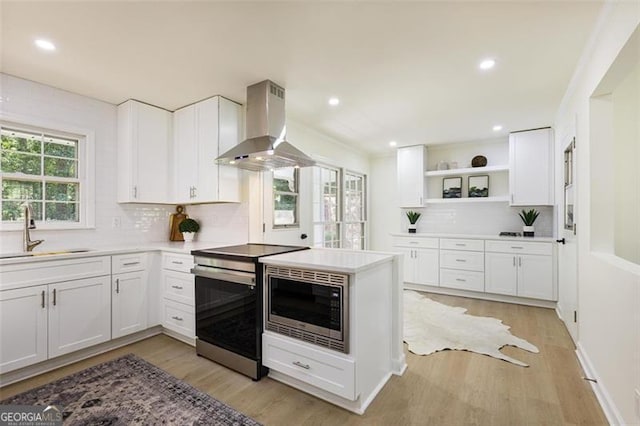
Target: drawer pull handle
x,y
175,262
42,299
117,285
177,287
130,263
517,247
54,297
460,260
413,242
176,318
461,245
461,280
301,365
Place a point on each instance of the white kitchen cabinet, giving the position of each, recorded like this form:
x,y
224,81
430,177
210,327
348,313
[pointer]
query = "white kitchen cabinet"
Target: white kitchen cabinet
x,y
129,296
511,269
411,166
144,143
79,314
23,327
462,264
202,132
421,259
531,163
178,296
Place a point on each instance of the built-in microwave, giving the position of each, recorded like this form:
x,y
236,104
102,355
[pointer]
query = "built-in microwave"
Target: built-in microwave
x,y
312,306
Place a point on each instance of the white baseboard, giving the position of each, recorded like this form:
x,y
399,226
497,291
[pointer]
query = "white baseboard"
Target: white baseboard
x,y
610,411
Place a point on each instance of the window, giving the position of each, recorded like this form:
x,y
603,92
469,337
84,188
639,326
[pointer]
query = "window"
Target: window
x,y
354,211
285,197
339,208
326,207
45,169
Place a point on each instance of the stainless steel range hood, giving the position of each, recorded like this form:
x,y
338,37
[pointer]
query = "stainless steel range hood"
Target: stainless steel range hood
x,y
266,147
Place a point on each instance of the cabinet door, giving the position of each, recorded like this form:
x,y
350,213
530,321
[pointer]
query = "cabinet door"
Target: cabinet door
x,y
501,273
411,175
152,156
23,327
79,314
206,186
535,277
185,154
409,264
426,266
229,136
531,164
129,303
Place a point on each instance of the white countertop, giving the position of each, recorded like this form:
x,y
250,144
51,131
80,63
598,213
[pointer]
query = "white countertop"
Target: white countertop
x,y
332,260
47,254
475,237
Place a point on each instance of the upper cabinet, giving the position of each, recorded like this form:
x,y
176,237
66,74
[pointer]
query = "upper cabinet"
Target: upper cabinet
x,y
144,140
412,161
531,164
202,132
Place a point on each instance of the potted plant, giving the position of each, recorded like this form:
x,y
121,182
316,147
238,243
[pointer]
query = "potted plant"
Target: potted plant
x,y
528,217
413,218
188,227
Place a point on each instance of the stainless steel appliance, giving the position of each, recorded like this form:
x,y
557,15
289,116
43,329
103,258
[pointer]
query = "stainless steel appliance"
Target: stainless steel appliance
x,y
308,305
229,315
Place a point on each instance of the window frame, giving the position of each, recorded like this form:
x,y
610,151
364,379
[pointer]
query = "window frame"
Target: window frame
x,y
85,168
296,180
339,207
364,221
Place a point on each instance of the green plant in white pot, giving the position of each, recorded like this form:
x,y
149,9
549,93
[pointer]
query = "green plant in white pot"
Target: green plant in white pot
x,y
188,227
528,218
413,219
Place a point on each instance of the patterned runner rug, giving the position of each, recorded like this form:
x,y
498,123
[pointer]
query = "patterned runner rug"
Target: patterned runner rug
x,y
127,391
430,326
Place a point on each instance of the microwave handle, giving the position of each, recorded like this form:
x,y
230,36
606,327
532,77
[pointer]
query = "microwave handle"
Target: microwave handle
x,y
225,275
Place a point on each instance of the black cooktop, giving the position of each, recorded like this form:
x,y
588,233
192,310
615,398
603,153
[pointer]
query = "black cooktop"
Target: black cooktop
x,y
247,251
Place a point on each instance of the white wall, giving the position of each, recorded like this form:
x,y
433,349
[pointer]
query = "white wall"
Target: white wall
x,y
139,222
608,289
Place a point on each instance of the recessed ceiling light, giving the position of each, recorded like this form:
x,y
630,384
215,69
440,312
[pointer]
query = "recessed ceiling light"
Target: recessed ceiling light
x,y
487,64
393,143
334,101
497,128
45,44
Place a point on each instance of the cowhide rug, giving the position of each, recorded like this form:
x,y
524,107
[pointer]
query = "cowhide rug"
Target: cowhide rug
x,y
430,326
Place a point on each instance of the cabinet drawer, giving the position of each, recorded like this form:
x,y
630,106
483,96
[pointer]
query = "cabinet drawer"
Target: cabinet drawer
x,y
177,262
465,260
460,244
128,263
523,247
332,373
179,318
415,242
179,287
463,280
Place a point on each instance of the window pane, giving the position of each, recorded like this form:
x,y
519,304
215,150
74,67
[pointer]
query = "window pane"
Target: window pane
x,y
285,209
12,210
354,236
62,211
61,191
14,162
60,167
60,147
21,190
13,140
284,179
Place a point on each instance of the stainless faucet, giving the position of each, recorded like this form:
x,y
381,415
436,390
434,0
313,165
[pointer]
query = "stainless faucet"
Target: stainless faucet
x,y
29,223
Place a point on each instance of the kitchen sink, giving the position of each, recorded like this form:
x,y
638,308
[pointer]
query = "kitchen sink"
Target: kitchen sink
x,y
41,253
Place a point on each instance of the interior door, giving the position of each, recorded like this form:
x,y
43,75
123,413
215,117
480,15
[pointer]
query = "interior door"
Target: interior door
x,y
295,234
568,243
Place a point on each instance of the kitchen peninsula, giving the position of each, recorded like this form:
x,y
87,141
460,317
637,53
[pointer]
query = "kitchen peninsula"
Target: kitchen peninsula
x,y
373,350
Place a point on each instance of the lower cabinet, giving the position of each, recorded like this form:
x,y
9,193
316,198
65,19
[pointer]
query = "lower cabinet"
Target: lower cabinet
x,y
128,303
46,321
324,370
421,259
178,296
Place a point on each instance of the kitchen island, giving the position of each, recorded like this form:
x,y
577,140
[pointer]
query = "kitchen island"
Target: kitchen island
x,y
373,350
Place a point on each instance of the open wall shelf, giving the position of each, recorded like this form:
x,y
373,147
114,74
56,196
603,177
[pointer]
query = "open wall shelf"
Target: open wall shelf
x,y
467,171
468,200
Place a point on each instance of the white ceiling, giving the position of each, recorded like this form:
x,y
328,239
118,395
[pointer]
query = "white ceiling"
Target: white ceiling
x,y
403,71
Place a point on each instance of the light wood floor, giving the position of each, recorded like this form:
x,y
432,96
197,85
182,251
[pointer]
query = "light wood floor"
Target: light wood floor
x,y
446,388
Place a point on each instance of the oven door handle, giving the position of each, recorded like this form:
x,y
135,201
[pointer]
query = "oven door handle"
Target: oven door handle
x,y
225,275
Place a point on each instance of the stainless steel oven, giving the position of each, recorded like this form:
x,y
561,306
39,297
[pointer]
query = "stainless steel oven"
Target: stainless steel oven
x,y
308,305
229,303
